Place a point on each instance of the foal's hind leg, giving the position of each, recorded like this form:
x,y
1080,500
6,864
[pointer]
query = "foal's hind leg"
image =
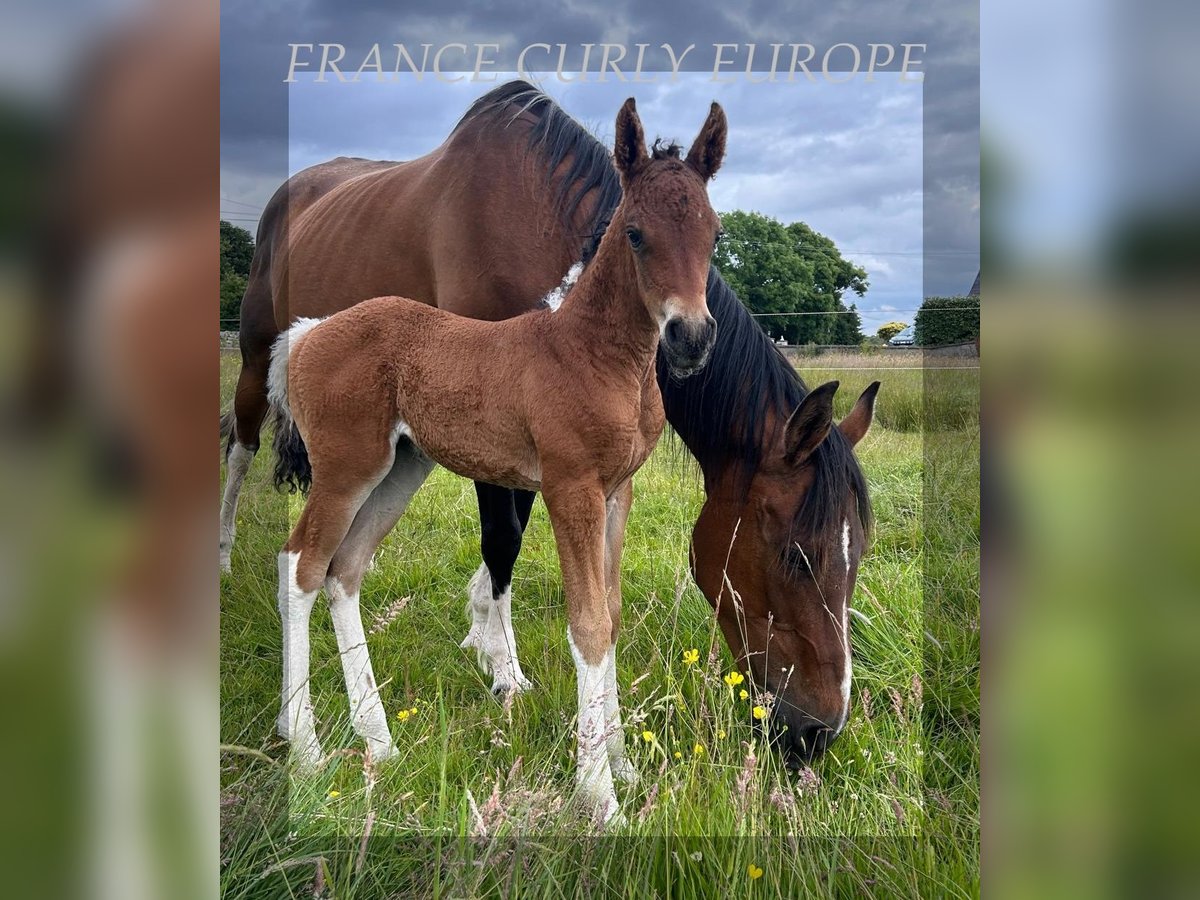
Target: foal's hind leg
x,y
503,515
303,565
375,519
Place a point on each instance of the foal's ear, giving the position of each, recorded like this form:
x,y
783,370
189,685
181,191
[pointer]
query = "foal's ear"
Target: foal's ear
x,y
856,425
629,149
810,423
708,150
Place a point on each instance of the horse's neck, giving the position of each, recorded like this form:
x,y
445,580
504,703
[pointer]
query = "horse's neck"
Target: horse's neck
x,y
710,412
606,307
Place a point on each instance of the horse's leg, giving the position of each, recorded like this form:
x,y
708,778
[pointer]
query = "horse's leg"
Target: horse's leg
x,y
614,542
503,515
303,566
371,525
577,513
249,410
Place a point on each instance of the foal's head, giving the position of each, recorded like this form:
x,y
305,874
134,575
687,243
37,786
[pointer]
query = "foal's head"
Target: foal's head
x,y
671,229
800,532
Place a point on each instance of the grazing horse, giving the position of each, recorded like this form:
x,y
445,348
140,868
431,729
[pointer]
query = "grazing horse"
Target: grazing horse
x,y
565,402
485,226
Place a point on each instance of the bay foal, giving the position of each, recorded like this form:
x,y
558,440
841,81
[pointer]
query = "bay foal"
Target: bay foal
x,y
565,402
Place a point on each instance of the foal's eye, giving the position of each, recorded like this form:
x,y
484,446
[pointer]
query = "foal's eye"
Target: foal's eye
x,y
635,238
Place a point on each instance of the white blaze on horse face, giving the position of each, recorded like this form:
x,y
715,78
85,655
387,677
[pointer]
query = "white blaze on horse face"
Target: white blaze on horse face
x,y
236,466
593,774
846,629
492,634
366,708
555,298
296,721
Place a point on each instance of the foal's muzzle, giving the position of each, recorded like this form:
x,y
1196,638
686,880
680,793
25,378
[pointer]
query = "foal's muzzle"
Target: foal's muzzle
x,y
687,342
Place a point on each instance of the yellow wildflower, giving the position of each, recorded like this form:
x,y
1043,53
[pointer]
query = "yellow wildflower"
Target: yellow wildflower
x,y
648,737
733,679
721,734
743,694
333,795
759,712
413,711
678,755
698,749
691,657
403,715
754,871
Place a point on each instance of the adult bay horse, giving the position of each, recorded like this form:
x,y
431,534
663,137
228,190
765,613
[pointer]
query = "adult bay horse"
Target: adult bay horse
x,y
485,226
565,402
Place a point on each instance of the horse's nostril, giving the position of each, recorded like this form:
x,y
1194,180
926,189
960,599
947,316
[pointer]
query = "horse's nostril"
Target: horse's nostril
x,y
674,330
711,325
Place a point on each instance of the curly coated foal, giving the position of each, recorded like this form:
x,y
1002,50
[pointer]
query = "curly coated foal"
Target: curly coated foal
x,y
565,402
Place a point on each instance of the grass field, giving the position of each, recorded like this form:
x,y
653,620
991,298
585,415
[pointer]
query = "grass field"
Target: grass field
x,y
478,803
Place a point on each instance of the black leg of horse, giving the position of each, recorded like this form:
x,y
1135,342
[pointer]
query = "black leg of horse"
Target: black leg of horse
x,y
503,515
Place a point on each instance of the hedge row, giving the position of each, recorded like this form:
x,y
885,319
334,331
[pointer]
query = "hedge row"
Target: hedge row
x,y
947,320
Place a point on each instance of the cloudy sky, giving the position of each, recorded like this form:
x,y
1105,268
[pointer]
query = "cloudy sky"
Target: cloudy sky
x,y
887,169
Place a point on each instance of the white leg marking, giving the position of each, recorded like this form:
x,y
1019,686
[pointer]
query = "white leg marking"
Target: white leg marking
x,y
492,634
846,629
593,774
479,604
366,708
622,769
296,721
236,467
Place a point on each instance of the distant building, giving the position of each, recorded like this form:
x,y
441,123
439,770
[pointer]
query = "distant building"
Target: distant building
x,y
974,292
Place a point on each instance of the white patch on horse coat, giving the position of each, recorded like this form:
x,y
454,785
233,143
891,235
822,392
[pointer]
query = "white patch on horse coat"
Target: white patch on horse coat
x,y
296,722
281,351
236,467
555,298
846,630
366,708
492,634
593,775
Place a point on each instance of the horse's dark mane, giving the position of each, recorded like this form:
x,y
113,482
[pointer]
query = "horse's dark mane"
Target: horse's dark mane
x,y
719,425
556,136
723,426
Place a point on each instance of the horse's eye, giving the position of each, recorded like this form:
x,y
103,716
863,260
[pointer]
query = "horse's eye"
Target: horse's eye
x,y
635,238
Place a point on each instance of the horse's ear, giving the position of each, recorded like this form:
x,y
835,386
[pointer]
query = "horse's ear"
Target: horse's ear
x,y
856,425
708,150
629,149
810,423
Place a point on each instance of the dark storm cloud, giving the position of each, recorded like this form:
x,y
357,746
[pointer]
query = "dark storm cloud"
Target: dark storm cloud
x,y
845,166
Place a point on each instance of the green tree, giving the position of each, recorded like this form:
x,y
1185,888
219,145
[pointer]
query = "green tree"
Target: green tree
x,y
237,251
890,330
776,268
947,320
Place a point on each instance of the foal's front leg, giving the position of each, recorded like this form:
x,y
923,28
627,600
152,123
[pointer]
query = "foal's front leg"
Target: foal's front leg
x,y
578,515
614,541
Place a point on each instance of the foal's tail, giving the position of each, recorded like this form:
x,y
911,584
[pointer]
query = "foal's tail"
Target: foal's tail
x,y
292,467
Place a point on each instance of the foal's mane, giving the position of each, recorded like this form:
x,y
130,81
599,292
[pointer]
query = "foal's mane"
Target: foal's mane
x,y
720,413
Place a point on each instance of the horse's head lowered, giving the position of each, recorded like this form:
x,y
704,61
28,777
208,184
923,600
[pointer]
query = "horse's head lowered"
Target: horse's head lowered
x,y
666,217
783,595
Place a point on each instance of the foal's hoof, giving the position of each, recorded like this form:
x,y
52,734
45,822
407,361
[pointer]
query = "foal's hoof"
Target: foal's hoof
x,y
306,757
624,771
516,686
381,752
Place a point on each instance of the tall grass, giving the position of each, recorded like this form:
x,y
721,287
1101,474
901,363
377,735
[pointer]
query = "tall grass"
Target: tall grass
x,y
479,801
